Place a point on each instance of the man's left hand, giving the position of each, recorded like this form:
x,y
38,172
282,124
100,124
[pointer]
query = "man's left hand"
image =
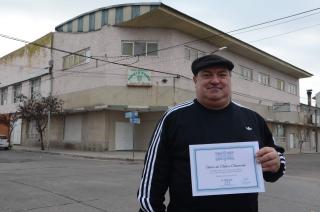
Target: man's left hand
x,y
269,159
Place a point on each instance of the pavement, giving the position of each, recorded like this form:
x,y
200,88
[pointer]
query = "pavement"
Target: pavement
x,y
106,155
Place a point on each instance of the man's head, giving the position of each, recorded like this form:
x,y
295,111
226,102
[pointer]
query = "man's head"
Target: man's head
x,y
212,78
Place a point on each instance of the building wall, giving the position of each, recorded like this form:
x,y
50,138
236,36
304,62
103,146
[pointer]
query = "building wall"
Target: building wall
x,y
318,99
99,83
110,76
22,65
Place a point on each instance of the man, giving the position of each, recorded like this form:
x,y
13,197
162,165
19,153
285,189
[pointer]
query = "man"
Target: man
x,y
211,118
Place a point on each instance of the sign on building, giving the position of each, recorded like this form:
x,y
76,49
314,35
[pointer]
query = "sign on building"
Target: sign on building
x,y
281,107
139,77
133,117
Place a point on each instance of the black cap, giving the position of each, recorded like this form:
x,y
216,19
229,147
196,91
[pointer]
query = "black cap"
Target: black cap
x,y
210,61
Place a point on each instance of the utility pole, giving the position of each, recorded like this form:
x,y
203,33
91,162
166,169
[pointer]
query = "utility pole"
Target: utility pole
x,y
316,128
50,94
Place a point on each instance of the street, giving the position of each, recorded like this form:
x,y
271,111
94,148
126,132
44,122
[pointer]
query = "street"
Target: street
x,y
39,182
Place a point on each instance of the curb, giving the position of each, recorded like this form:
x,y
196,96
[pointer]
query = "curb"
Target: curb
x,y
75,155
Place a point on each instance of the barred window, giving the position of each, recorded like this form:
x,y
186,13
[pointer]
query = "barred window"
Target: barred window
x,y
3,95
292,88
263,79
246,73
16,92
35,88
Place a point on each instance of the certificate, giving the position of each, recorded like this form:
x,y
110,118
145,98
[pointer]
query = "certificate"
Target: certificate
x,y
225,168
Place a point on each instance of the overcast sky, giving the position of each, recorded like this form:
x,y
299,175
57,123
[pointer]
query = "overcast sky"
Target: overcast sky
x,y
296,42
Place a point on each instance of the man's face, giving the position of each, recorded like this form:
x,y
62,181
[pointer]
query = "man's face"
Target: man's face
x,y
213,87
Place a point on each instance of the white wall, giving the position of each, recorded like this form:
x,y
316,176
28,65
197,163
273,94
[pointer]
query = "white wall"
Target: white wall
x,y
22,65
107,42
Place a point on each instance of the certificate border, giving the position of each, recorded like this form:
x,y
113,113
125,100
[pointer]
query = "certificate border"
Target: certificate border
x,y
242,189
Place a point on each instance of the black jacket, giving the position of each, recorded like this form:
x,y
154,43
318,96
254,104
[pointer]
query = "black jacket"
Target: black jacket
x,y
167,163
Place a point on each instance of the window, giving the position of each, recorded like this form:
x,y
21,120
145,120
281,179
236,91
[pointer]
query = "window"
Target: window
x,y
104,17
77,58
69,26
92,22
16,92
127,48
152,49
135,11
279,134
119,15
263,79
35,88
140,48
80,24
246,73
280,85
279,130
192,54
292,88
3,95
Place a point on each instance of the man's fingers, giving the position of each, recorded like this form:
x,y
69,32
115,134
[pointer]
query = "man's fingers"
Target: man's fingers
x,y
267,157
264,150
269,163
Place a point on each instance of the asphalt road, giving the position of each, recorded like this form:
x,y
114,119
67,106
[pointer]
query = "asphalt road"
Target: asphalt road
x,y
38,182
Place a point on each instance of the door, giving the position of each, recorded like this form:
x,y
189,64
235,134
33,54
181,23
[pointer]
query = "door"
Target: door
x,y
124,136
291,140
16,133
73,129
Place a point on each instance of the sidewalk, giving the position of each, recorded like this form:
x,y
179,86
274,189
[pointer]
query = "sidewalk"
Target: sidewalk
x,y
107,155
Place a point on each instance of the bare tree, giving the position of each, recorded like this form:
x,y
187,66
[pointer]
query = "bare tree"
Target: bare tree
x,y
37,109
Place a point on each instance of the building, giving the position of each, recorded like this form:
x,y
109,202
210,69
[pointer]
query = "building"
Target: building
x,y
317,98
137,57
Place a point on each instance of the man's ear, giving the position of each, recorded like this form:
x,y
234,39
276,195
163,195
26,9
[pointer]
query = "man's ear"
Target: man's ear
x,y
194,79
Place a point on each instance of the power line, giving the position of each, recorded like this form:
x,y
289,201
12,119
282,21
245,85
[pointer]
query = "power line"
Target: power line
x,y
230,32
204,38
273,36
97,59
233,92
128,65
276,24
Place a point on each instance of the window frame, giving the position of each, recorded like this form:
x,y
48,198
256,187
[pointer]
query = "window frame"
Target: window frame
x,y
292,88
35,90
282,84
15,93
246,73
104,17
69,26
135,11
119,15
134,44
74,59
263,79
4,95
80,24
92,22
188,51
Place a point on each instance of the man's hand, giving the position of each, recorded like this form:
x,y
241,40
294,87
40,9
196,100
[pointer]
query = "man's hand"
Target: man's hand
x,y
269,159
